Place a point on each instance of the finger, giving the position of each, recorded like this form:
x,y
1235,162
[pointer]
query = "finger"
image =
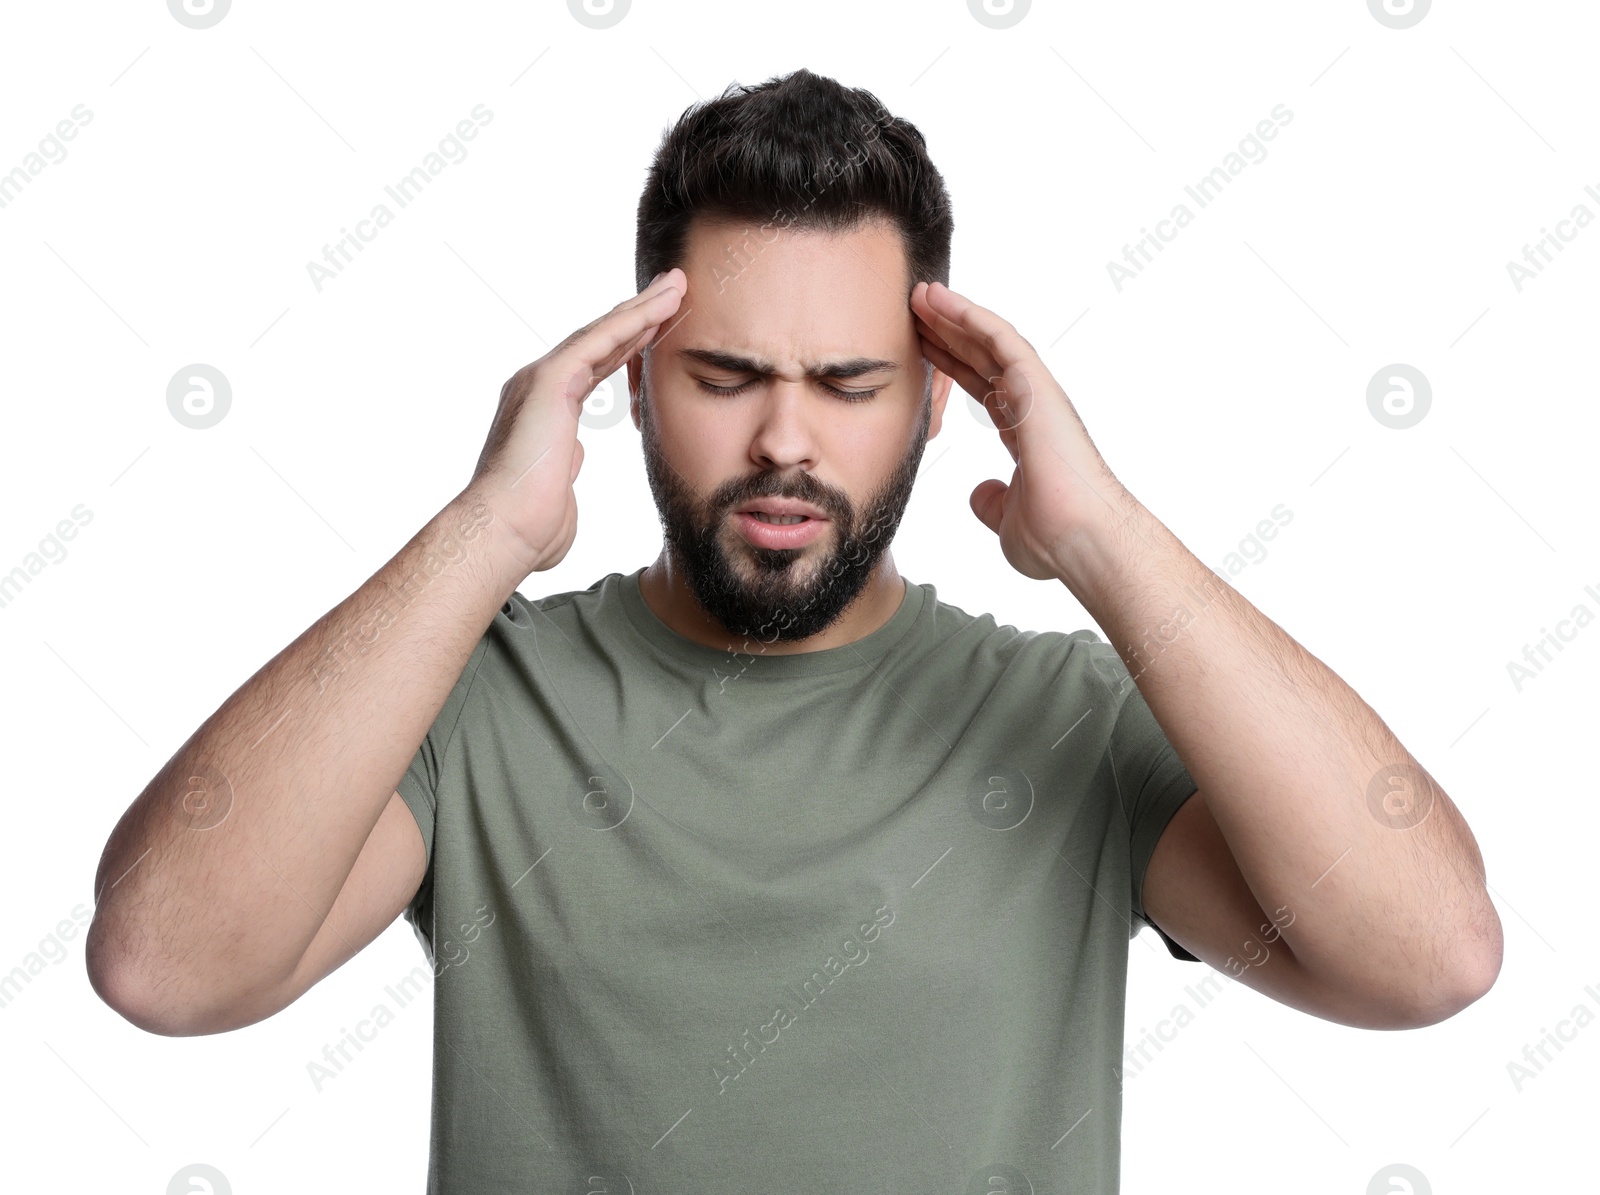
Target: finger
x,y
598,351
981,389
627,352
972,364
951,335
674,278
946,362
960,343
657,285
988,502
639,342
979,327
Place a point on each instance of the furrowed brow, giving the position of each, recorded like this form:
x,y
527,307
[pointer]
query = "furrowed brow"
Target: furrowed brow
x,y
846,367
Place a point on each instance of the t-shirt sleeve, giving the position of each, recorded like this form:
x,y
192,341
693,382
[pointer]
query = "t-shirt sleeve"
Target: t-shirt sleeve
x,y
1151,780
419,786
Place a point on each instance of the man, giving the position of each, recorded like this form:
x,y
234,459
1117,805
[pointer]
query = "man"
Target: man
x,y
762,868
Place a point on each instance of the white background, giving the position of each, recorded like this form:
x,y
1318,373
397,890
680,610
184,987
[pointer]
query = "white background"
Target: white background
x,y
1228,377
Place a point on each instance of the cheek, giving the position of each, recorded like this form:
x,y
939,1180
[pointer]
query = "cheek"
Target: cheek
x,y
868,451
704,448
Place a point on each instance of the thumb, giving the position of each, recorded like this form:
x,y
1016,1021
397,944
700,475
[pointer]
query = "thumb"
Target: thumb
x,y
988,503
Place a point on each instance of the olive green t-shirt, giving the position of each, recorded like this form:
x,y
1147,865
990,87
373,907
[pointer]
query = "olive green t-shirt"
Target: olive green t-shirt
x,y
729,922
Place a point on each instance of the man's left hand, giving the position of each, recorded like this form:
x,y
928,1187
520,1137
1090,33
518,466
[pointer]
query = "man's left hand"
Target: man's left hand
x,y
1061,488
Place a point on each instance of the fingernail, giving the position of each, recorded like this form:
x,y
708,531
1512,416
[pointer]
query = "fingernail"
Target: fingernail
x,y
654,280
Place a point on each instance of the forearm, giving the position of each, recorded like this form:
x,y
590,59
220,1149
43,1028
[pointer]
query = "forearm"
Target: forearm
x,y
219,875
1383,878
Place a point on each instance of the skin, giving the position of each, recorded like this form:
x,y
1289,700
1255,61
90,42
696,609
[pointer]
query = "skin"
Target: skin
x,y
807,297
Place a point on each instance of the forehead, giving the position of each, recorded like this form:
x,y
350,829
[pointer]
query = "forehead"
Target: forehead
x,y
787,293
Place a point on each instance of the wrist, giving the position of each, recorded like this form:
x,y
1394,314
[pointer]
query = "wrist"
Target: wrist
x,y
1101,552
472,518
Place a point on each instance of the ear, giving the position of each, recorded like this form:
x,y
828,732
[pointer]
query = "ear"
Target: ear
x,y
941,392
635,373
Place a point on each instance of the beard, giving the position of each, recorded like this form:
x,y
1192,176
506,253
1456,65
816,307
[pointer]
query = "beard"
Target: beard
x,y
776,595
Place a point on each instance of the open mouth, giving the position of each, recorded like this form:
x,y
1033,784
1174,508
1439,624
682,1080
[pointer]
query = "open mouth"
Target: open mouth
x,y
767,530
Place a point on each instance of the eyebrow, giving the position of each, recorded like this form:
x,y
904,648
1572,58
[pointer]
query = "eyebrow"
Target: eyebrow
x,y
846,367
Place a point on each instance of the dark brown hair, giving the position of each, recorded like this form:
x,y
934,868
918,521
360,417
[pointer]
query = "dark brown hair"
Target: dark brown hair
x,y
799,151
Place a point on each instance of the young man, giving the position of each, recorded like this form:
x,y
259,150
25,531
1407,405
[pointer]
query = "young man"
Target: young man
x,y
762,868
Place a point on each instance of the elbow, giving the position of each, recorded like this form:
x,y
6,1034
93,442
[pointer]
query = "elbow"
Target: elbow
x,y
167,1006
1477,984
120,993
127,990
1483,963
1470,981
1441,1004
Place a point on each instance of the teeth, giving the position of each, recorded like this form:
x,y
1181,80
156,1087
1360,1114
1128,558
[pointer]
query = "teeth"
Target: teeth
x,y
782,521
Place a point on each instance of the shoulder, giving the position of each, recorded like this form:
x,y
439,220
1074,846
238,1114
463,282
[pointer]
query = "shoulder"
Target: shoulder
x,y
520,610
960,629
1072,667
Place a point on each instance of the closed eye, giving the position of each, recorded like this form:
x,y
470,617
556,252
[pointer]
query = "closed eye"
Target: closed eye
x,y
847,395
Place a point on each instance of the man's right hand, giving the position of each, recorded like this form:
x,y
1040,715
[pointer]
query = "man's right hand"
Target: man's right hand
x,y
207,925
532,456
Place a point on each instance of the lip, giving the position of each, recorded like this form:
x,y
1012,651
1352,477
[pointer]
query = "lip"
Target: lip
x,y
783,506
772,535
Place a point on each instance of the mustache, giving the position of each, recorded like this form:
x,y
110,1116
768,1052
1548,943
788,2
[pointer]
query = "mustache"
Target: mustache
x,y
817,495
